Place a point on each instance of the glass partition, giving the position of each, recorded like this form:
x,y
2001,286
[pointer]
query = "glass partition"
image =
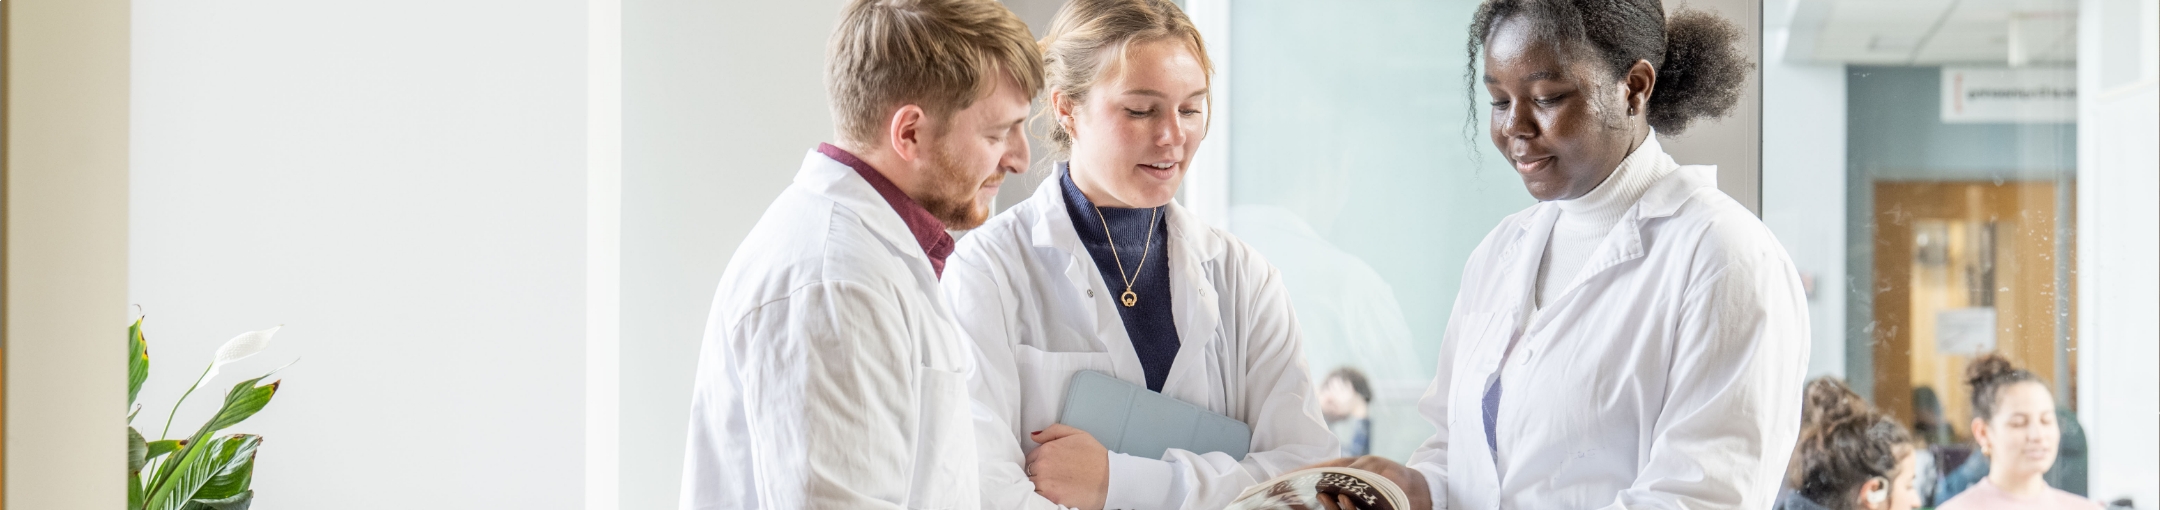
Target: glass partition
x,y
1356,168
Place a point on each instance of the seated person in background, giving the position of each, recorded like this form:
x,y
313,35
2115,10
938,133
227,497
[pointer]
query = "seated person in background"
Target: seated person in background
x,y
2068,472
1850,456
1345,399
2014,422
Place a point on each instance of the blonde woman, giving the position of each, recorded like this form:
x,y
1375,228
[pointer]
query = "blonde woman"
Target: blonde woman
x,y
1101,270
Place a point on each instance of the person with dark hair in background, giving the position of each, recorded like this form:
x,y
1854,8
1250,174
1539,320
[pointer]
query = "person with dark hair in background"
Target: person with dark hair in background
x,y
2014,421
1637,339
1850,456
1346,404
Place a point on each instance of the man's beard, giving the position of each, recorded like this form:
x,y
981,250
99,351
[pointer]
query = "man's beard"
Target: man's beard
x,y
952,191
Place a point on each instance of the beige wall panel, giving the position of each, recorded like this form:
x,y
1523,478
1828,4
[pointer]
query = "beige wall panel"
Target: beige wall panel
x,y
66,252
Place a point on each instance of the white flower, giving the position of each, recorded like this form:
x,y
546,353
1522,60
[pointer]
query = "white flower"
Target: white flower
x,y
239,348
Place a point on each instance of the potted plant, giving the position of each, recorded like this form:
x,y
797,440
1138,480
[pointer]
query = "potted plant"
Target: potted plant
x,y
200,472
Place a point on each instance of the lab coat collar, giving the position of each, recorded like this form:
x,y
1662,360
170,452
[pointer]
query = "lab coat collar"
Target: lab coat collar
x,y
1625,243
1193,297
837,181
1181,223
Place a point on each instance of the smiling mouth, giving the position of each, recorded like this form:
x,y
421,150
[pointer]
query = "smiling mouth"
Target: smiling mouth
x,y
1160,170
1533,165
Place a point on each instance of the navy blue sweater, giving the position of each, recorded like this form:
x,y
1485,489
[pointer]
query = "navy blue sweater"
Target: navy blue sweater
x,y
1153,330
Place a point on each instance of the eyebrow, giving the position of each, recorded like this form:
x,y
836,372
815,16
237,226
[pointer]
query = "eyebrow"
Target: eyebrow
x,y
1157,93
1006,125
1536,76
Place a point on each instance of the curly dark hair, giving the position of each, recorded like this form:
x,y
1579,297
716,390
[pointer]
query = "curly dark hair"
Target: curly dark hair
x,y
1988,374
1844,442
1699,68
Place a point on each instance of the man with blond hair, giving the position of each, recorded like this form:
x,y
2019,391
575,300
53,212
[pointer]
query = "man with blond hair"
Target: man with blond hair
x,y
832,375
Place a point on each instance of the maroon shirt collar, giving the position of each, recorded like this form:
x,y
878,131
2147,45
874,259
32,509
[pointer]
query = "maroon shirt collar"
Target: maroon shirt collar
x,y
929,231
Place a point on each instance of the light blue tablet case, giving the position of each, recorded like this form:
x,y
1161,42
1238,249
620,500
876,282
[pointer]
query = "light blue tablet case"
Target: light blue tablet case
x,y
1129,419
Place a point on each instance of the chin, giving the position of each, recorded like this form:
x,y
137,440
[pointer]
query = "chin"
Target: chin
x,y
974,218
1154,196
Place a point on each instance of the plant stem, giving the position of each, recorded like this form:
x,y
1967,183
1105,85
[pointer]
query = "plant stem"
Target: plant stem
x,y
183,398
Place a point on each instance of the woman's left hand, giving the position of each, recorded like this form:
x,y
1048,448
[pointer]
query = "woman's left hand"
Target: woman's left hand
x,y
1069,467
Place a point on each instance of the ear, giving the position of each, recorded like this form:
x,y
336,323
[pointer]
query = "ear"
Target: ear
x,y
1980,433
1874,494
1061,108
904,131
1640,81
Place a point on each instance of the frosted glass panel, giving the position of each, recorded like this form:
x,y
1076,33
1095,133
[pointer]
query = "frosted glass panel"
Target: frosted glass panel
x,y
1356,170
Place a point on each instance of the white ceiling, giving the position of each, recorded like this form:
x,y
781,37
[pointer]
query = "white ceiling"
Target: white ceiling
x,y
1932,32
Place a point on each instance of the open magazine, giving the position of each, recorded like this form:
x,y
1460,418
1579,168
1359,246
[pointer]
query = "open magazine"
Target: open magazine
x,y
1302,490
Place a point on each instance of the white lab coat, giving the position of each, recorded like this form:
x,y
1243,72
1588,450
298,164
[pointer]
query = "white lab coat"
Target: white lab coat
x,y
831,375
1030,297
1668,374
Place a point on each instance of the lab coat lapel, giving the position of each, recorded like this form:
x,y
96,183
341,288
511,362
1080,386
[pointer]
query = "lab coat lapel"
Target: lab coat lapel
x,y
1516,298
1526,254
1088,297
1625,242
1194,306
841,184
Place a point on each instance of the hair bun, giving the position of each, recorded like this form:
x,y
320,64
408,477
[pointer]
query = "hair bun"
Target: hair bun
x,y
1986,369
1703,71
1829,400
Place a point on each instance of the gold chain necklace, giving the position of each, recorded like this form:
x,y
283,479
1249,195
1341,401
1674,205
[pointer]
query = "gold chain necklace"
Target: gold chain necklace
x,y
1129,298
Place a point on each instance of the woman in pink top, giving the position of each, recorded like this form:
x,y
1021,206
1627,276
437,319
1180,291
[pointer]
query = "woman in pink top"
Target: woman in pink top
x,y
2014,422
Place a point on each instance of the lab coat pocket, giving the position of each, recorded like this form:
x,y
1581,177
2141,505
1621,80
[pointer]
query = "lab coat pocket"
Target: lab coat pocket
x,y
945,442
1043,378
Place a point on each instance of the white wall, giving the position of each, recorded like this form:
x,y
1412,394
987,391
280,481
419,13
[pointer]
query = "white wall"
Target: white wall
x,y
402,185
721,100
1803,180
2118,240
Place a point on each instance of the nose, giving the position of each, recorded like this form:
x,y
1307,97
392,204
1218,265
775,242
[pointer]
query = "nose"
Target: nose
x,y
1518,121
1172,134
1016,154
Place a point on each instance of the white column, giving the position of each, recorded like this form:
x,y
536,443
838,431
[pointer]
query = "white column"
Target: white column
x,y
603,254
1207,180
2118,242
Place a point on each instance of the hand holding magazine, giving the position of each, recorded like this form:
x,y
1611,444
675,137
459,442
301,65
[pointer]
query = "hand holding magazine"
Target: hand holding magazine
x,y
1322,488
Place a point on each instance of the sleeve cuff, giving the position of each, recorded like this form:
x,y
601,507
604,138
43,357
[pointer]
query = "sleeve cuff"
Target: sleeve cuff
x,y
1138,483
1436,484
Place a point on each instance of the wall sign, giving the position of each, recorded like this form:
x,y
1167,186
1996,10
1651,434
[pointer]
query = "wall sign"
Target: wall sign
x,y
2002,94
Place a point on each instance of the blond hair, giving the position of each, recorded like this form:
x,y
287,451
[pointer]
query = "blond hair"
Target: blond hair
x,y
941,55
1091,36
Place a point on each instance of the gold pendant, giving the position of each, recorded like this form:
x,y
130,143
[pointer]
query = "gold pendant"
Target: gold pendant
x,y
1129,298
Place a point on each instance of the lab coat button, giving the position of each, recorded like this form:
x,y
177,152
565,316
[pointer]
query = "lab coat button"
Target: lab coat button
x,y
1091,292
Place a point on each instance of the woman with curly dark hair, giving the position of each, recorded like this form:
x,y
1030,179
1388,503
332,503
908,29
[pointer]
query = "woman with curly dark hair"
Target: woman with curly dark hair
x,y
1637,339
1850,456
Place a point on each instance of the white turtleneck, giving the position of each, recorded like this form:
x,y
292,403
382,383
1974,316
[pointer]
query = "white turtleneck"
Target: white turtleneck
x,y
1586,220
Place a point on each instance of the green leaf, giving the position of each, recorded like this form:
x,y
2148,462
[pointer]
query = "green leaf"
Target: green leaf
x,y
188,473
159,469
138,452
160,448
237,455
243,401
135,492
138,360
236,502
